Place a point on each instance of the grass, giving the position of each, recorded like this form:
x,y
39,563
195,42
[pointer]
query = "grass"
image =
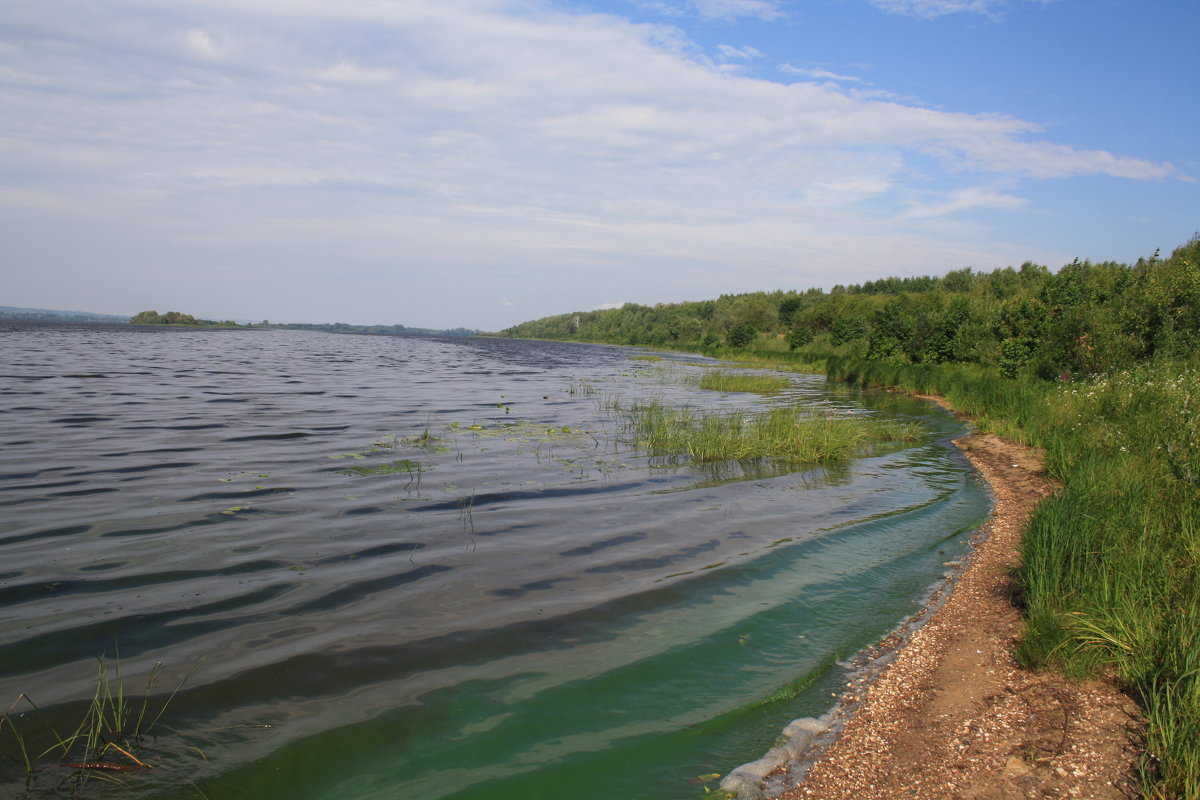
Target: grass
x,y
722,381
785,434
107,744
1110,575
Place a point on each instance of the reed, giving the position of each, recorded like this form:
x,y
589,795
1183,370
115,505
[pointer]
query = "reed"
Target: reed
x,y
723,381
784,434
106,743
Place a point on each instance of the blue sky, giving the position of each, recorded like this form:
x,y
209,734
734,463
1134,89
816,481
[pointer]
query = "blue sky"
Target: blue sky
x,y
482,162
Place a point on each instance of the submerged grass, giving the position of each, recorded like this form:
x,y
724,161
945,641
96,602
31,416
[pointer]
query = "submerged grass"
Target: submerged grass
x,y
1111,564
722,381
106,744
786,434
404,465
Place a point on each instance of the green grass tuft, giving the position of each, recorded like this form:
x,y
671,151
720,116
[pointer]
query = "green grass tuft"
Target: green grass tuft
x,y
722,381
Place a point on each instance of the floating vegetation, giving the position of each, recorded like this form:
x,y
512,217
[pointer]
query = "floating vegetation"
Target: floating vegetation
x,y
788,434
524,431
235,476
404,465
645,358
426,440
106,744
721,381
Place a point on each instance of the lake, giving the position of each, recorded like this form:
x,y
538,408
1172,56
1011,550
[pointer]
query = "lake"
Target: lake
x,y
435,568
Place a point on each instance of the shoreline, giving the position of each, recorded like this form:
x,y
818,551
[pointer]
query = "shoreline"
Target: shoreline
x,y
941,709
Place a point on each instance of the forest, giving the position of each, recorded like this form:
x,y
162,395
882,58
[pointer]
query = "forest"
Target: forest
x,y
1097,366
1084,319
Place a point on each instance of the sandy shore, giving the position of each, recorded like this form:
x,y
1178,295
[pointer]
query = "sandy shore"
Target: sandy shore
x,y
953,715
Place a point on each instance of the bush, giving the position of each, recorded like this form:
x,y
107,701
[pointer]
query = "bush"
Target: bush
x,y
800,336
743,335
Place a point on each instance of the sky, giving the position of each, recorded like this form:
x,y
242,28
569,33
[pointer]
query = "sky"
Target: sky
x,y
478,163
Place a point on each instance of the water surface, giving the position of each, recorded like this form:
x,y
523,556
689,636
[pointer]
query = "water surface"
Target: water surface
x,y
432,567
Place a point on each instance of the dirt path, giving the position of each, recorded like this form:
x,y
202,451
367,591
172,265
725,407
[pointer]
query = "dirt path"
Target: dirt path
x,y
953,716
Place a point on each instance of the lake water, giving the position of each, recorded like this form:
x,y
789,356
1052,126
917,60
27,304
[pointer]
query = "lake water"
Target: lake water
x,y
432,568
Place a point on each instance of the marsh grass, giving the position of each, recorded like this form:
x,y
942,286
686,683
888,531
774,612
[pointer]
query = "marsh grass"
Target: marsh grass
x,y
784,434
106,744
1110,575
723,381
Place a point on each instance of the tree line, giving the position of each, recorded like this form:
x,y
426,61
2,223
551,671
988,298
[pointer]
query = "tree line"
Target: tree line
x,y
1085,318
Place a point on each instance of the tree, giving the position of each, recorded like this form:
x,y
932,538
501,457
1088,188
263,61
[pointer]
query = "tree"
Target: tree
x,y
148,318
800,336
742,336
847,329
891,329
788,309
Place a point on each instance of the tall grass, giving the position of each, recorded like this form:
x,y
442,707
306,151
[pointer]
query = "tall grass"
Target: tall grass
x,y
784,434
1110,572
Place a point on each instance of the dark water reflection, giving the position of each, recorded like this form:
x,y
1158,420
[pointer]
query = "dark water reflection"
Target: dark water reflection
x,y
518,606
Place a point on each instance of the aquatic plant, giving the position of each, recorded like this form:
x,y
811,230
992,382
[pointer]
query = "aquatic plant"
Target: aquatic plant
x,y
790,434
107,743
404,465
723,381
582,387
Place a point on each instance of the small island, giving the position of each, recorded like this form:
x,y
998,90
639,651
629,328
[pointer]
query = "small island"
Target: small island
x,y
177,318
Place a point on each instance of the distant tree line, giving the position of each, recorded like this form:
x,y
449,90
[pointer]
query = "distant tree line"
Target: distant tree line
x,y
179,318
47,315
1085,318
381,330
174,318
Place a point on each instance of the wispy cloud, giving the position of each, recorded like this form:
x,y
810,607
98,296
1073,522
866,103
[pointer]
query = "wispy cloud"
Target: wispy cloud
x,y
929,9
729,52
964,200
733,9
817,74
